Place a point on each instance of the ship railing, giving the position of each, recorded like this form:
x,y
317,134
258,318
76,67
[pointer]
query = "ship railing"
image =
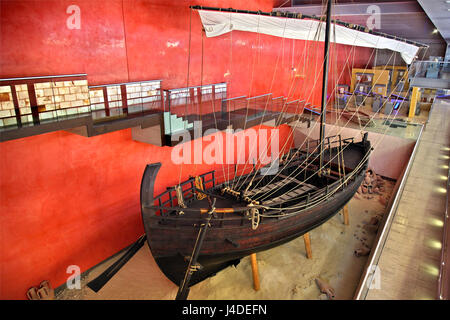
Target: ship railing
x,y
170,199
312,147
329,141
312,150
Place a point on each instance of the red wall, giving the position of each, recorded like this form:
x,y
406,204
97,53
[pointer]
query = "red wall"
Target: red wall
x,y
66,199
134,40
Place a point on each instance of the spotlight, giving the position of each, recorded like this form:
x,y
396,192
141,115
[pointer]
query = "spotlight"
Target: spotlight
x,y
436,222
441,190
431,270
435,31
434,244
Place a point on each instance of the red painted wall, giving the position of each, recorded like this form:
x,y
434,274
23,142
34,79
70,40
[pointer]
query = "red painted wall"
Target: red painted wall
x,y
132,40
70,200
66,199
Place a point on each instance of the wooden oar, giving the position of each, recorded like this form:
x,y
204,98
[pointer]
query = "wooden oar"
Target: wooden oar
x,y
183,290
102,279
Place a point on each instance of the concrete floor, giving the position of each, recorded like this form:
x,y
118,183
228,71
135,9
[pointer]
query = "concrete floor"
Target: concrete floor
x,y
409,262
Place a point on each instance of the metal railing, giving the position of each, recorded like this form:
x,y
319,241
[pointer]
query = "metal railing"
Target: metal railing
x,y
112,101
232,104
31,101
430,69
28,101
194,100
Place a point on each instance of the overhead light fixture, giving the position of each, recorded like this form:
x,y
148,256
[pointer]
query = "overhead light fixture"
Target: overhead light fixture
x,y
435,31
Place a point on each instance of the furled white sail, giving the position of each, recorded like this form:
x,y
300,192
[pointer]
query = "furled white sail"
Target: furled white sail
x,y
217,23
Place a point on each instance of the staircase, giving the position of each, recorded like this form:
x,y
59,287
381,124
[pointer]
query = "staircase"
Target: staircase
x,y
174,124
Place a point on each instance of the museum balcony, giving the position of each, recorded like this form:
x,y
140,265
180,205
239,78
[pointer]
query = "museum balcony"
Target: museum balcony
x,y
430,74
36,105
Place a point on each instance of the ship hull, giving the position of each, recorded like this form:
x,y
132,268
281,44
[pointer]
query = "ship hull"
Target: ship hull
x,y
225,245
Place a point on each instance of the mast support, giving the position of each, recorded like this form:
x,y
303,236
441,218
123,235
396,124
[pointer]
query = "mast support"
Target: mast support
x,y
324,86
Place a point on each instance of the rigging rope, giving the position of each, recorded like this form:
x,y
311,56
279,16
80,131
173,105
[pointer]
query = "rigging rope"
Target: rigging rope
x,y
319,200
293,130
187,86
341,151
316,42
299,167
379,139
293,82
317,146
271,86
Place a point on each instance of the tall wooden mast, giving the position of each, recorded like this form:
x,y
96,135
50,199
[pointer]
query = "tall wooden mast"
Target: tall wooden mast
x,y
324,85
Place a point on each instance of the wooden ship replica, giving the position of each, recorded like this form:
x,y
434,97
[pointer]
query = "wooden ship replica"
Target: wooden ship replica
x,y
214,227
199,227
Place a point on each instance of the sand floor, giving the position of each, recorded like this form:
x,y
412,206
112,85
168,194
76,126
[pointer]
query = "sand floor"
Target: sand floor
x,y
285,272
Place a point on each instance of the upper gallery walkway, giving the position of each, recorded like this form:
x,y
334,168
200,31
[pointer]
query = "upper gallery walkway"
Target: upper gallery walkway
x,y
412,261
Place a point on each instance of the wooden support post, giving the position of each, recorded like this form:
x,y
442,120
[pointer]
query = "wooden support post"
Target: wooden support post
x,y
255,271
33,103
16,106
105,99
345,213
415,96
307,245
123,92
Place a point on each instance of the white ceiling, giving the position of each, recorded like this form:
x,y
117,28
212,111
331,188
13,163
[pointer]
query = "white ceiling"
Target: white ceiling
x,y
439,14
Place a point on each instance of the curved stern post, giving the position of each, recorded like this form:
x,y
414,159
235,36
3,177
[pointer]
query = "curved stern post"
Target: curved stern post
x,y
147,189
